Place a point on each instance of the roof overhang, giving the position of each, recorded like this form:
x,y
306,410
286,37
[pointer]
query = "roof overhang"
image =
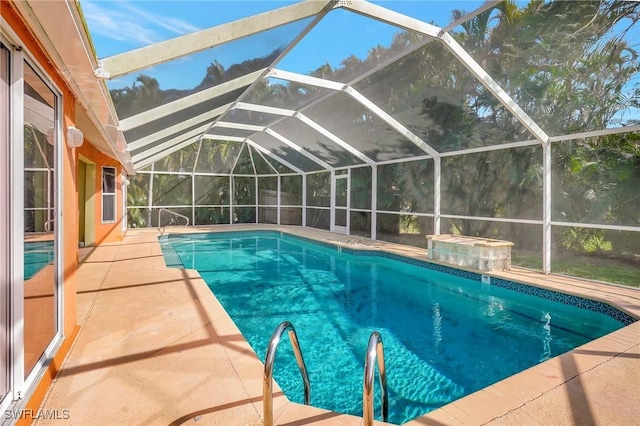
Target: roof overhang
x,y
59,28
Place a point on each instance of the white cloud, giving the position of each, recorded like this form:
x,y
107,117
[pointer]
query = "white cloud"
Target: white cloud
x,y
122,21
176,26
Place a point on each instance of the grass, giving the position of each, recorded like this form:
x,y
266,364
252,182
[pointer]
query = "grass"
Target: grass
x,y
590,267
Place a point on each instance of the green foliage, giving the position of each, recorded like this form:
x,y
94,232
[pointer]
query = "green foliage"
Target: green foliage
x,y
145,93
584,240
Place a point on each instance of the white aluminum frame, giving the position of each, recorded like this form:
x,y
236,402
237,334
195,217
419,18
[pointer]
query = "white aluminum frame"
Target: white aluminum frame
x,y
306,120
145,57
327,84
6,263
467,17
112,194
347,208
432,33
188,101
167,145
265,151
341,143
299,149
203,119
16,217
145,162
546,208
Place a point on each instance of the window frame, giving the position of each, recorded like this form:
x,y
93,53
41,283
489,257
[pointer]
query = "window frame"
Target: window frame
x,y
112,195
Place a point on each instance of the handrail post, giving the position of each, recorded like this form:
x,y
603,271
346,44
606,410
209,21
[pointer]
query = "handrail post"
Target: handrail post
x,y
267,386
173,213
375,350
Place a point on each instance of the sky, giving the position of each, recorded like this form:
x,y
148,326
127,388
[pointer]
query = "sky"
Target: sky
x,y
117,26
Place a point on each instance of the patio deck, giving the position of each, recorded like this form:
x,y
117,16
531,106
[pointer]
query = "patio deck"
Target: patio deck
x,y
155,348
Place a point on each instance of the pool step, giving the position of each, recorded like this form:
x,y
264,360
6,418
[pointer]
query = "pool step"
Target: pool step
x,y
171,256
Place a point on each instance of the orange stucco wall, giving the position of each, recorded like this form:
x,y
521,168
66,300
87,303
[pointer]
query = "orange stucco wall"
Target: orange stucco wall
x,y
104,232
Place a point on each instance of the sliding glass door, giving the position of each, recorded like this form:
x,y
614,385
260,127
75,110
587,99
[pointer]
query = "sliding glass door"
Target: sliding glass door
x,y
30,232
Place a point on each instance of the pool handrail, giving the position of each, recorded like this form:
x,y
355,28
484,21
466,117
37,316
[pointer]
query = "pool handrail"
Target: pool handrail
x,y
47,228
375,349
267,386
173,213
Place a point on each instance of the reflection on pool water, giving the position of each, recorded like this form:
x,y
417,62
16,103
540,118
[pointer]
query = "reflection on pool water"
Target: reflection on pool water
x,y
445,335
37,255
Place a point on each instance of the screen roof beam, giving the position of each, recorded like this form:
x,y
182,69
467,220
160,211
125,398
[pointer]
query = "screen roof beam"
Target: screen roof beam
x,y
385,15
158,53
188,101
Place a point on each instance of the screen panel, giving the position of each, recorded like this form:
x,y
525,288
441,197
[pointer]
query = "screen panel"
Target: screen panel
x,y
212,215
596,180
315,143
432,94
211,190
181,161
217,156
199,71
404,228
503,183
291,190
172,190
353,123
318,218
406,187
285,152
572,66
360,190
319,189
345,61
596,254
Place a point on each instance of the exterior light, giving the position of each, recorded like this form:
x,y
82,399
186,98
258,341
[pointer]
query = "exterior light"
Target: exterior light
x,y
75,137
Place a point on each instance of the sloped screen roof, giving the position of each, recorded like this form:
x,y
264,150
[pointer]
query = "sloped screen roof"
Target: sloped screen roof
x,y
422,80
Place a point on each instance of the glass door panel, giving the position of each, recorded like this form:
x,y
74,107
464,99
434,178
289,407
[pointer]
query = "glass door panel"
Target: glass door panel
x,y
39,214
341,202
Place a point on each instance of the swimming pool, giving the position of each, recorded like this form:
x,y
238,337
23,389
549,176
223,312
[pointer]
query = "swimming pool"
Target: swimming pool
x,y
445,335
37,255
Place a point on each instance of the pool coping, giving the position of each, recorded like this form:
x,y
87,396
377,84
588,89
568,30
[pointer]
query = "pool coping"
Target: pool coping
x,y
479,407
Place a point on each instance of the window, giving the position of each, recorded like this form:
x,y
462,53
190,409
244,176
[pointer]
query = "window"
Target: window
x,y
108,194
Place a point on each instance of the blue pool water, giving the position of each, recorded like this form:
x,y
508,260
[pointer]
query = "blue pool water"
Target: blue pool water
x,y
36,256
445,336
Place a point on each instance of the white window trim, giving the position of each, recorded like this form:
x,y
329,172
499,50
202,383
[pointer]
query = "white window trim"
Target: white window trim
x,y
112,194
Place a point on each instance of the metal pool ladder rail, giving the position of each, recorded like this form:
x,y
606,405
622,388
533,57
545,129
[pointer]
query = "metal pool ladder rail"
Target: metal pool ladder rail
x,y
267,386
173,213
375,350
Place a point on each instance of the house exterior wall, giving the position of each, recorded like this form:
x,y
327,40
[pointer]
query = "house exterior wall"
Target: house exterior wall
x,y
104,232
